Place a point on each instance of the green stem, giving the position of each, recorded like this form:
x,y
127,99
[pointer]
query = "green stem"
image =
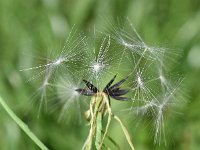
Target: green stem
x,y
22,125
98,130
128,137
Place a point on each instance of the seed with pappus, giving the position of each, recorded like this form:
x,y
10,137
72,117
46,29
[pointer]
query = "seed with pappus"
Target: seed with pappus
x,y
147,89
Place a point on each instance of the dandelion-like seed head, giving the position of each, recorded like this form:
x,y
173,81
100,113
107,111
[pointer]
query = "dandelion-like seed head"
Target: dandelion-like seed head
x,y
45,83
126,44
74,92
139,81
162,78
78,62
59,61
97,67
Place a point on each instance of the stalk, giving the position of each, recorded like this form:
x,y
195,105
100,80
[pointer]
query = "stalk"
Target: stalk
x,y
99,107
22,125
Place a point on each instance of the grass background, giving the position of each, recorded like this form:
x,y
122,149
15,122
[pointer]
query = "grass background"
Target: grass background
x,y
34,27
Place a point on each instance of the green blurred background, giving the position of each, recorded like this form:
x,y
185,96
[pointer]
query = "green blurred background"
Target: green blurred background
x,y
31,28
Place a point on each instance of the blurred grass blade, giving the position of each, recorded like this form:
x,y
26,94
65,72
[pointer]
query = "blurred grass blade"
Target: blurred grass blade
x,y
128,138
98,130
112,141
22,125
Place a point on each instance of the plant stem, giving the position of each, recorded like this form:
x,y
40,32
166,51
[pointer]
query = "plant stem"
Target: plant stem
x,y
98,130
22,125
128,138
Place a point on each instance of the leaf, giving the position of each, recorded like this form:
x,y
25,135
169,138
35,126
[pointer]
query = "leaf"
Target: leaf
x,y
118,92
109,84
120,98
91,86
117,84
85,92
128,138
98,130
